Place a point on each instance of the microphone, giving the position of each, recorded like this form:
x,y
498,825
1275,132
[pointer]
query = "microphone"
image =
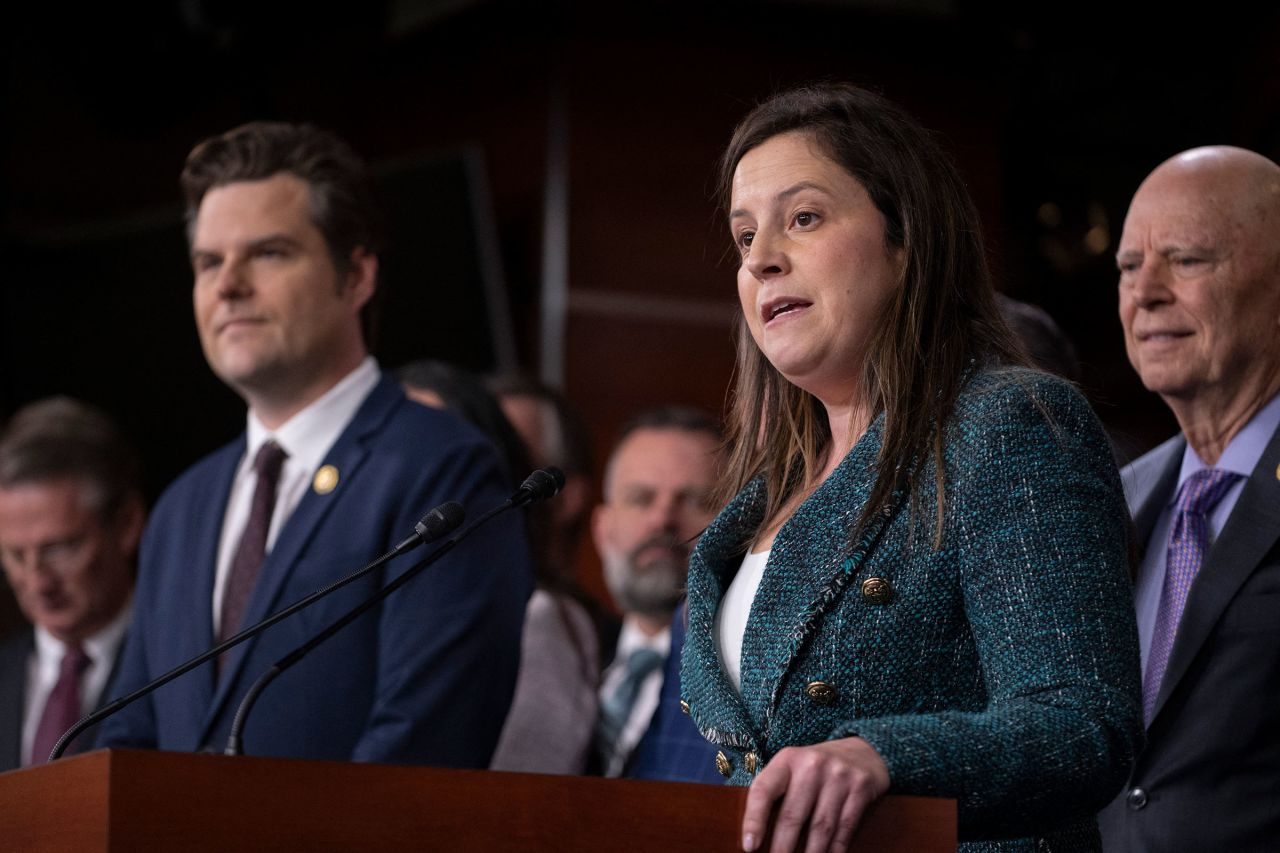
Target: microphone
x,y
436,524
540,485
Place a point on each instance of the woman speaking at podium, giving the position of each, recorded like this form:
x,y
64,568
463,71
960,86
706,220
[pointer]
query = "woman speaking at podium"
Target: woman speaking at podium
x,y
919,584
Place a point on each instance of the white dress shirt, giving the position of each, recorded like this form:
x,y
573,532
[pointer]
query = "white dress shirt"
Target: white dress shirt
x,y
632,639
307,437
735,608
1240,456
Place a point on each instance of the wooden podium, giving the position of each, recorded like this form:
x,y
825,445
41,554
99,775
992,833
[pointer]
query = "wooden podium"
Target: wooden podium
x,y
161,801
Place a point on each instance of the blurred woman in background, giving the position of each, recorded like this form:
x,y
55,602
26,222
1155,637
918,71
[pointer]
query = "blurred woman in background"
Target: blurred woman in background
x,y
553,713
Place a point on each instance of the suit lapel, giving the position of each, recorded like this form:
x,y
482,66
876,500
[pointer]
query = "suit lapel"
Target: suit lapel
x,y
108,688
205,514
1250,532
721,718
13,682
810,565
89,738
1149,489
347,455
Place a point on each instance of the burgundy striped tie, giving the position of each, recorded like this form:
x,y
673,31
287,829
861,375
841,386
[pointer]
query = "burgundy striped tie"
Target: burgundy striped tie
x,y
252,550
62,709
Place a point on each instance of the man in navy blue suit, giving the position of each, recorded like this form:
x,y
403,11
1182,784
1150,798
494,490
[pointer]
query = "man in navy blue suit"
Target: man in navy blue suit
x,y
672,749
334,468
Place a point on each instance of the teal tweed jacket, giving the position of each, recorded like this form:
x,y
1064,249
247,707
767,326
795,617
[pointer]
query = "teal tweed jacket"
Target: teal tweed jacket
x,y
1000,669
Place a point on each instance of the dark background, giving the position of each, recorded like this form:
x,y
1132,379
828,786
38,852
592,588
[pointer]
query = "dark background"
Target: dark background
x,y
1055,117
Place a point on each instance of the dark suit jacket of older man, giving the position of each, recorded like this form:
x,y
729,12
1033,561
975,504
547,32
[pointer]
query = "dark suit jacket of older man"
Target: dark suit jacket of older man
x,y
14,652
1209,777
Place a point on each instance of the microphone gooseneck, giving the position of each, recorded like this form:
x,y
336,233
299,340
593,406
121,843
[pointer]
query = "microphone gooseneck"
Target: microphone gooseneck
x,y
436,524
540,485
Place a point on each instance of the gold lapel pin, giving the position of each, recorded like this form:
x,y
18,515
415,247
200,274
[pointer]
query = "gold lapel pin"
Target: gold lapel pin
x,y
326,480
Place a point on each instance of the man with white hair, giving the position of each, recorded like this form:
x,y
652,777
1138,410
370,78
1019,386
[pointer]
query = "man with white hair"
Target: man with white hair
x,y
1200,305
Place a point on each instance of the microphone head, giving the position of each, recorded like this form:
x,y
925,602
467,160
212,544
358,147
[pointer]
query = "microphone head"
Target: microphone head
x,y
540,485
441,521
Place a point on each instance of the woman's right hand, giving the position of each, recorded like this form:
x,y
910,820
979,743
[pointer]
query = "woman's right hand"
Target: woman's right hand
x,y
824,789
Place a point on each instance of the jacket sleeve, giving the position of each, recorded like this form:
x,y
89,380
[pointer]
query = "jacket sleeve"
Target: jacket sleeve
x,y
134,726
1037,521
449,640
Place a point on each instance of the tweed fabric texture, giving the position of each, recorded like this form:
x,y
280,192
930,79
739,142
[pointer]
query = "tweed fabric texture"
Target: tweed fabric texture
x,y
1002,670
1188,543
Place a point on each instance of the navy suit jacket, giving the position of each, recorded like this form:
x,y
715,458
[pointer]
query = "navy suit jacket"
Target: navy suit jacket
x,y
13,694
1209,775
672,748
426,677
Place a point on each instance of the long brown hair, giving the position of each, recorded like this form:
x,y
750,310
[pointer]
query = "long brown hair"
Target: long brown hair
x,y
940,323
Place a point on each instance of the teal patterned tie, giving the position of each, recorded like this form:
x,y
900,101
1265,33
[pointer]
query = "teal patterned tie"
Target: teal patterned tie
x,y
616,708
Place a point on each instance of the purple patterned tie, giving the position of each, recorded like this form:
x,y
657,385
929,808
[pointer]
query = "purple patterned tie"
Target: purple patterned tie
x,y
1188,543
62,709
252,550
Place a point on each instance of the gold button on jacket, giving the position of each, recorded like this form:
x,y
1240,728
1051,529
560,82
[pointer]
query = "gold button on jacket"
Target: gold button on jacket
x,y
877,590
1027,463
723,764
821,693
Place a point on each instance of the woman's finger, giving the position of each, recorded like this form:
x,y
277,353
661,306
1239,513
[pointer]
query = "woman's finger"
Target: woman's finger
x,y
804,771
851,811
823,789
828,810
765,790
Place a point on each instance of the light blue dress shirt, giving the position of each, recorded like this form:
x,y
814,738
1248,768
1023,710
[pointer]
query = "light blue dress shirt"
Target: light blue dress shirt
x,y
1241,456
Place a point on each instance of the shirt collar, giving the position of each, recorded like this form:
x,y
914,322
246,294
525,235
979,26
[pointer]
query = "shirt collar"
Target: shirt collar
x,y
101,646
308,435
1244,450
631,638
